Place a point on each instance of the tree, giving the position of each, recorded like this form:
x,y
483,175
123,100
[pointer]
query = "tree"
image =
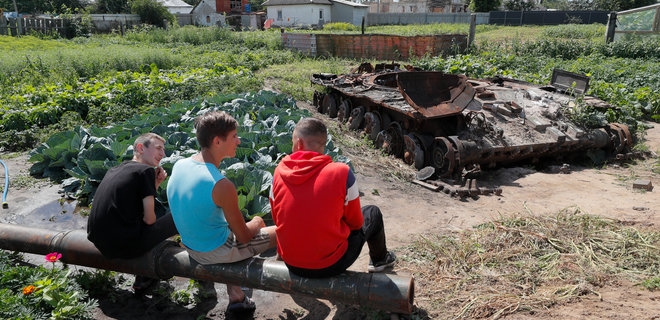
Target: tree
x,y
621,5
38,6
152,12
111,6
484,5
520,5
255,5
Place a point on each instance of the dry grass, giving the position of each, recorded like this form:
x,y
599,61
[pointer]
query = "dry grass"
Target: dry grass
x,y
526,263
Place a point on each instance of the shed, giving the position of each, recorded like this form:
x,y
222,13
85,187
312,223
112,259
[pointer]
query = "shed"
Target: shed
x,y
298,12
347,11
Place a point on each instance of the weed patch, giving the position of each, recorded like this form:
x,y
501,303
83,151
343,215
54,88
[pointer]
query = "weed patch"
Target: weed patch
x,y
527,263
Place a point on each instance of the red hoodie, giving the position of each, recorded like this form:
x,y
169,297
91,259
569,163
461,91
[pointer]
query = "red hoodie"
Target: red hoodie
x,y
315,204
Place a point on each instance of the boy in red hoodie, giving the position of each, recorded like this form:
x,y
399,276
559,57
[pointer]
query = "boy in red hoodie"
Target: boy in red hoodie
x,y
315,204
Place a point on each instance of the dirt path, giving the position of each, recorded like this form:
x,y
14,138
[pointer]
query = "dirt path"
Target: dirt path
x,y
411,210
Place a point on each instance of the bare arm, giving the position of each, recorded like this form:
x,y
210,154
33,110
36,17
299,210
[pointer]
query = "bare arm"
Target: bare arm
x,y
161,175
225,196
149,205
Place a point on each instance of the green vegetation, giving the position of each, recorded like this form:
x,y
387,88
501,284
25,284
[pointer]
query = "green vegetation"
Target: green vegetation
x,y
78,104
151,73
81,157
42,292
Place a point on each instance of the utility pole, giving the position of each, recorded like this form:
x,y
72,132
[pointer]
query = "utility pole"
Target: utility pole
x,y
18,22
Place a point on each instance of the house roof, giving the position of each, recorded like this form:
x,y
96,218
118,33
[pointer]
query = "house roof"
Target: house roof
x,y
294,2
174,4
350,3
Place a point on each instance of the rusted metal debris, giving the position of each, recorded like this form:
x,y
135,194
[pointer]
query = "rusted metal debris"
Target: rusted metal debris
x,y
455,125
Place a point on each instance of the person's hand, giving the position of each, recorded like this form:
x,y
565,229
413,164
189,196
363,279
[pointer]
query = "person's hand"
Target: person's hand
x,y
258,222
161,175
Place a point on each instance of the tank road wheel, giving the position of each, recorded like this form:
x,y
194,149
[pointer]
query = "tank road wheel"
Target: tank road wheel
x,y
625,140
330,105
372,125
391,140
318,99
344,110
356,118
442,157
413,154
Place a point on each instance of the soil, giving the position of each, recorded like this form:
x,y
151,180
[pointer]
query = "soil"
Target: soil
x,y
409,210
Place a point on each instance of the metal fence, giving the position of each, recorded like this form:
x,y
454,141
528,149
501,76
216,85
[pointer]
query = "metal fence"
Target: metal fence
x,y
519,18
374,19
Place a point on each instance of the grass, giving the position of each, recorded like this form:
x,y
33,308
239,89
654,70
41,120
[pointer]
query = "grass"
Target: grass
x,y
527,263
516,263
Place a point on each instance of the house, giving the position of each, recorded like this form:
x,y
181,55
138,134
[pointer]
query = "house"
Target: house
x,y
176,6
235,13
286,13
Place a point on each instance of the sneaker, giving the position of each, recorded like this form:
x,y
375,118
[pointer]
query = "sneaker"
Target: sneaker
x,y
245,306
142,284
379,266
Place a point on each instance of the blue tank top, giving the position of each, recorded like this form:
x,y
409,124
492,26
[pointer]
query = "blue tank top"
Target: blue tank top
x,y
201,223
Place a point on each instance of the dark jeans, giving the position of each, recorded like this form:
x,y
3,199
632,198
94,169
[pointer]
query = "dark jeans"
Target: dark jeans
x,y
150,236
372,232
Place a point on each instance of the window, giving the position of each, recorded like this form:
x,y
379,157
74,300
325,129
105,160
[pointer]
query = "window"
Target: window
x,y
321,14
279,15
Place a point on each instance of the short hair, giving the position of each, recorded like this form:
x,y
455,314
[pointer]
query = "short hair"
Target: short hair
x,y
145,139
313,131
308,127
213,124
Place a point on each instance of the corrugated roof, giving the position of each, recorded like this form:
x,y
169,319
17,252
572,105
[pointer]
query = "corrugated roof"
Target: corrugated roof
x,y
174,3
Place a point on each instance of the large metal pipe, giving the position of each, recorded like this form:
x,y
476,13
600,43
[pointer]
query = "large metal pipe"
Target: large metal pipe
x,y
380,291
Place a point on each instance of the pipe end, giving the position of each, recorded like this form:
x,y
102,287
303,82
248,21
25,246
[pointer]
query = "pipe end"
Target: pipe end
x,y
5,205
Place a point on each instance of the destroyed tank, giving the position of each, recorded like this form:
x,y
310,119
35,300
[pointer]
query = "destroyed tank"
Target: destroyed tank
x,y
452,124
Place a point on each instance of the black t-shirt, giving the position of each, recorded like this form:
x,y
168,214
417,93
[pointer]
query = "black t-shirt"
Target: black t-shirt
x,y
117,211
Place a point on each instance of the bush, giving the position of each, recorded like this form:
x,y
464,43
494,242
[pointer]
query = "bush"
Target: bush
x,y
152,12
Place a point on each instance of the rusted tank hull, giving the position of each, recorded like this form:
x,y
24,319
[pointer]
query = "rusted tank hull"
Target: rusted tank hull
x,y
453,123
380,291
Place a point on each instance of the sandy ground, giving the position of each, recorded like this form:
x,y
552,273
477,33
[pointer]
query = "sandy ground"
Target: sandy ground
x,y
409,210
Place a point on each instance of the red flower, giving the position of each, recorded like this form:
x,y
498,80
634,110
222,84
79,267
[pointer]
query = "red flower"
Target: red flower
x,y
29,290
53,257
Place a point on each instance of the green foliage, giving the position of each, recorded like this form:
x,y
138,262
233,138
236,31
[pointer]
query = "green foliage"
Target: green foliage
x,y
484,5
83,155
519,5
76,22
153,12
340,26
41,292
575,31
40,6
111,6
